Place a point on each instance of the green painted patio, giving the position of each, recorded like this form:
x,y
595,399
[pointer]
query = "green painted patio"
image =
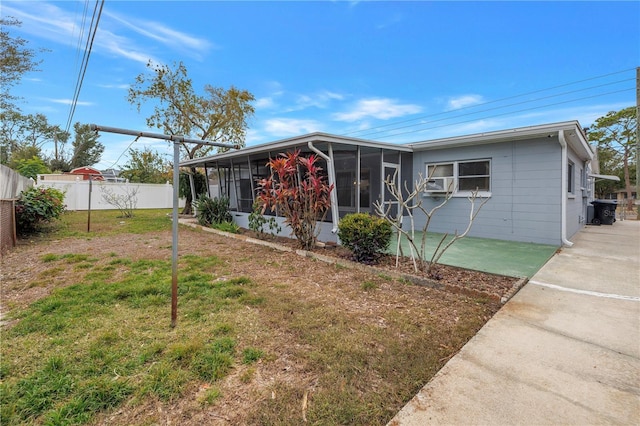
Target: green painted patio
x,y
501,257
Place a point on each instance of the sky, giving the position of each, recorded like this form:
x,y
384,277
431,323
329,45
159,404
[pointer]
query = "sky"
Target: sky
x,y
389,71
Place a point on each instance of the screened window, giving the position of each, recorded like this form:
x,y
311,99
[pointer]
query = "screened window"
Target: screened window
x,y
474,175
459,176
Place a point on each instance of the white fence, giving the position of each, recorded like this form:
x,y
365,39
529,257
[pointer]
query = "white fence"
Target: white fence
x,y
12,183
78,193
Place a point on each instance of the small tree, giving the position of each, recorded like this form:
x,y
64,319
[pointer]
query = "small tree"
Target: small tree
x,y
126,202
297,189
146,166
411,201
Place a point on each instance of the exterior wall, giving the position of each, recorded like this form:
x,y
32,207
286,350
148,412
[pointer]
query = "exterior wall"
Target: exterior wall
x,y
242,220
577,200
525,203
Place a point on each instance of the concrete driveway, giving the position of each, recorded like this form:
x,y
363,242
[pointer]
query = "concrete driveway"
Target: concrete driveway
x,y
565,350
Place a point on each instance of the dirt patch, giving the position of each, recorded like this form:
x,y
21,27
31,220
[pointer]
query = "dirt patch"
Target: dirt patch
x,y
450,278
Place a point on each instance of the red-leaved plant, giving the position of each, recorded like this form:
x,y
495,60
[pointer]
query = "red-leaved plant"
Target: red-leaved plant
x,y
297,189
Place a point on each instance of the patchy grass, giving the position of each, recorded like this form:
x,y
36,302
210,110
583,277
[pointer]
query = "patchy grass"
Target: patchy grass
x,y
108,222
272,339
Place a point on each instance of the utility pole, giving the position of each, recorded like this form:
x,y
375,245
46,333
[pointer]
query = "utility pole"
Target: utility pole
x,y
177,140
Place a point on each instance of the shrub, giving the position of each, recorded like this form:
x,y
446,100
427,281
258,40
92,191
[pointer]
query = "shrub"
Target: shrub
x,y
367,236
297,188
211,211
229,227
257,222
37,206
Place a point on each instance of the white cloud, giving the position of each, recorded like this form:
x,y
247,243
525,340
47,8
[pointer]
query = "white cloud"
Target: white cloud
x,y
291,126
266,102
47,20
318,100
114,86
464,101
380,108
69,101
167,36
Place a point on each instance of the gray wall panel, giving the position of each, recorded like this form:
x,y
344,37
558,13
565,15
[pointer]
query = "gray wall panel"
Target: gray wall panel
x,y
525,188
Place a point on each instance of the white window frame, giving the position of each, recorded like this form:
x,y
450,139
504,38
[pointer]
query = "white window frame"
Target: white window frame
x,y
456,170
571,179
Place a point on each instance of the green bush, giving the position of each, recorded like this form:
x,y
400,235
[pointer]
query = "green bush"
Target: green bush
x,y
229,227
367,236
37,206
210,211
257,222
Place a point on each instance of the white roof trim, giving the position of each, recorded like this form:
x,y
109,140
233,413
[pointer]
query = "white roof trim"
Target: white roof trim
x,y
298,140
605,177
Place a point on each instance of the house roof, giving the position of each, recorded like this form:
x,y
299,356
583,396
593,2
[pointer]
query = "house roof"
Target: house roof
x,y
574,136
283,144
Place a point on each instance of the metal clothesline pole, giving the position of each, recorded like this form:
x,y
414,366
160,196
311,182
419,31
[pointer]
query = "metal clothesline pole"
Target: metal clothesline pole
x,y
177,140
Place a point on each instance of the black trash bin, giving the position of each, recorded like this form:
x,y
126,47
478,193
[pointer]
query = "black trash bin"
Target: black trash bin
x,y
604,212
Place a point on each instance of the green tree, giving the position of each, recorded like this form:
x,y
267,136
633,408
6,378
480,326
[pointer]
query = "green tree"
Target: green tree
x,y
87,150
32,167
218,115
145,166
199,181
15,61
610,164
615,134
19,132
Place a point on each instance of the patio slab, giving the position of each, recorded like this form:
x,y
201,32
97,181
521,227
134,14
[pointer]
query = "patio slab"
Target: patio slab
x,y
509,258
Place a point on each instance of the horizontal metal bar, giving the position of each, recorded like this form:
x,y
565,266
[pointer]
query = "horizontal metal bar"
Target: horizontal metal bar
x,y
173,138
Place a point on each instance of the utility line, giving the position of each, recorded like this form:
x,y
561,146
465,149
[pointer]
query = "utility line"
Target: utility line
x,y
351,133
507,113
498,107
83,23
85,60
122,153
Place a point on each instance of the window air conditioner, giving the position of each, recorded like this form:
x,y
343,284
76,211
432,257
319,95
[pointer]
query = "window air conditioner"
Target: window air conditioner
x,y
444,184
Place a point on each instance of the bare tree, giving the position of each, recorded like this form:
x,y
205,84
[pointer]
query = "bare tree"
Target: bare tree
x,y
126,202
410,202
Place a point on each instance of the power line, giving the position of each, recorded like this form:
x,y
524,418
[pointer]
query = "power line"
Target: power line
x,y
93,28
499,107
508,113
122,153
453,111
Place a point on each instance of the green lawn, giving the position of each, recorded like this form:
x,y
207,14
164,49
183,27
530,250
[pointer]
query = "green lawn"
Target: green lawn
x,y
256,326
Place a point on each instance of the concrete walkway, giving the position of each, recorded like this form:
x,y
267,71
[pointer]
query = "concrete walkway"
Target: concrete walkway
x,y
564,351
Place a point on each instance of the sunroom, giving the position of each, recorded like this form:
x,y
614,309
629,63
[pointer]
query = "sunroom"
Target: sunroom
x,y
357,168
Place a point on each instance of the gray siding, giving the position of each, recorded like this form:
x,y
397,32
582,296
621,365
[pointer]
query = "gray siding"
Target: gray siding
x,y
576,203
525,203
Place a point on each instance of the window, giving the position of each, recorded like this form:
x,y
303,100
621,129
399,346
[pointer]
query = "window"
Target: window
x,y
570,178
459,176
473,175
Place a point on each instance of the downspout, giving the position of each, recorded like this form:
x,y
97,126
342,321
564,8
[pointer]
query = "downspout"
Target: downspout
x,y
563,188
332,181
